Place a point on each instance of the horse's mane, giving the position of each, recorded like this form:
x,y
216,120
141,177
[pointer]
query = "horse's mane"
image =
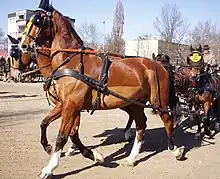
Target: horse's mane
x,y
70,27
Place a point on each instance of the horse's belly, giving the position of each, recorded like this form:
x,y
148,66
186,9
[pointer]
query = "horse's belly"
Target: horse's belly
x,y
110,101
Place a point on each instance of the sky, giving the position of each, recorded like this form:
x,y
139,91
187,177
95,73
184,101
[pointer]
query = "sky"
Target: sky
x,y
139,14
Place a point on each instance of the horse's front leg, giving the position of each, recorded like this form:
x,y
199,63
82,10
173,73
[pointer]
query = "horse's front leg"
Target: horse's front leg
x,y
196,116
69,114
206,118
54,114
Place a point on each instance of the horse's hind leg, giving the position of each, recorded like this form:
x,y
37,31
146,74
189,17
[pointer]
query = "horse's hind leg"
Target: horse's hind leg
x,y
140,120
127,130
87,153
217,113
52,116
168,122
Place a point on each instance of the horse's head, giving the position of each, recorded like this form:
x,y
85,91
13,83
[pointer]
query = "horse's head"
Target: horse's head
x,y
43,27
21,59
195,61
163,58
39,28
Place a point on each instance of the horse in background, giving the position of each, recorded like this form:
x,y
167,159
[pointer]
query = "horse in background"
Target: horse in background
x,y
206,86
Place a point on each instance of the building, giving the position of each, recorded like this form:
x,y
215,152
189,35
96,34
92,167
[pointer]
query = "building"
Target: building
x,y
17,22
146,48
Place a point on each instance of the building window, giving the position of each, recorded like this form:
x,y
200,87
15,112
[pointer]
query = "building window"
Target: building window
x,y
21,17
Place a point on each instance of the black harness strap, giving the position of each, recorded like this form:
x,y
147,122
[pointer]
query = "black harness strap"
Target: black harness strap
x,y
102,84
94,84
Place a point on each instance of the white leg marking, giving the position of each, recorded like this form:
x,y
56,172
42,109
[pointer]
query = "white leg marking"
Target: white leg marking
x,y
128,134
134,152
53,164
98,157
178,152
70,151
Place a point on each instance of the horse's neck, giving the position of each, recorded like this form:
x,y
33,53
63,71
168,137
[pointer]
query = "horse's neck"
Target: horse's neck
x,y
65,36
44,63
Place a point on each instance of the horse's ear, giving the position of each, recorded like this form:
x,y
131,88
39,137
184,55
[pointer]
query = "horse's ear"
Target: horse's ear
x,y
191,48
153,56
168,58
44,4
12,39
200,48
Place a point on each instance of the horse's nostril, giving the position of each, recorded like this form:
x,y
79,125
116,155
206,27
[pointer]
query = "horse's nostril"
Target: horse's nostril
x,y
24,46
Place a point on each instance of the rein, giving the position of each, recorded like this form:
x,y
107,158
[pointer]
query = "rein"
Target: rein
x,y
86,51
95,84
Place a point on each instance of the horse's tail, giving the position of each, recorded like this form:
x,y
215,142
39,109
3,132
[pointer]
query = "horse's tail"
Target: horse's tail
x,y
173,100
172,95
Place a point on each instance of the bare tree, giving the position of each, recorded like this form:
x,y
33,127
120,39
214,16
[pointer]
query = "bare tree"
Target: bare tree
x,y
143,45
90,34
206,33
115,41
170,24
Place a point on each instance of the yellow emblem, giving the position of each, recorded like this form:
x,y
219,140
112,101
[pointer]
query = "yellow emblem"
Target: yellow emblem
x,y
27,28
196,57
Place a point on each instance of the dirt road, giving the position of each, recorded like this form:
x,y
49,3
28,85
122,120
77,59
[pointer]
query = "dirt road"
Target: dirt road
x,y
23,106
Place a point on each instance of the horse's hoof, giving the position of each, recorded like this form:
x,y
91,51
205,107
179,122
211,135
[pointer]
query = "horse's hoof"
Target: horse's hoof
x,y
70,152
130,162
217,126
197,136
208,132
48,149
98,157
178,152
45,175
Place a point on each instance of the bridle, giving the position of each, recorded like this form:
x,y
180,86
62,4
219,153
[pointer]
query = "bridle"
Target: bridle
x,y
41,23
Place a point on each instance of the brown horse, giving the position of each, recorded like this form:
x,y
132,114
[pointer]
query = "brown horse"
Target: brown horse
x,y
135,79
207,88
183,88
44,61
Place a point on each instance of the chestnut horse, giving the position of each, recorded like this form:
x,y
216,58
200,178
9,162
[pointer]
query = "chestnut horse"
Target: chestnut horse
x,y
44,62
131,81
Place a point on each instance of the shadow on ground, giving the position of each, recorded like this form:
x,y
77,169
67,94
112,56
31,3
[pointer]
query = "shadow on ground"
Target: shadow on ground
x,y
155,142
18,96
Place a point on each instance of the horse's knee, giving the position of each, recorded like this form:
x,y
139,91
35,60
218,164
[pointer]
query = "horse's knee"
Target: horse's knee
x,y
44,123
60,141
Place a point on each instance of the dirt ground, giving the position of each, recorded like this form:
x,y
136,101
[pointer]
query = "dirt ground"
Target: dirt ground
x,y
23,106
